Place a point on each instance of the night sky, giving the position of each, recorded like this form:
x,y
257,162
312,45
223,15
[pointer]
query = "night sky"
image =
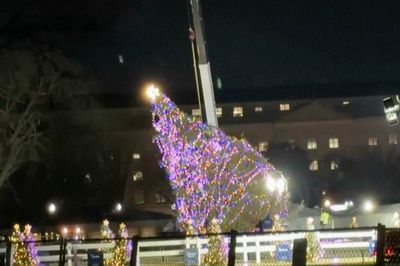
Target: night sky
x,y
259,49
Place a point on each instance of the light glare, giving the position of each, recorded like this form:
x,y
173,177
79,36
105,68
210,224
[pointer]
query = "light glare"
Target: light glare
x,y
339,207
271,184
280,185
118,207
327,203
152,92
368,206
51,208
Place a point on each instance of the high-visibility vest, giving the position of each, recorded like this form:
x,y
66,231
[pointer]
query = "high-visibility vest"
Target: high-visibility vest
x,y
325,218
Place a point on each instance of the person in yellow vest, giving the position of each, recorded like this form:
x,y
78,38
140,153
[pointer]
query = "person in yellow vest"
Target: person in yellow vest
x,y
324,219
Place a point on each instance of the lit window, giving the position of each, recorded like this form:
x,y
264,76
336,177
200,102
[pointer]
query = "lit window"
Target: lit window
x,y
393,139
263,146
121,59
196,112
219,112
137,176
139,197
314,165
334,165
346,102
237,111
258,109
373,141
284,107
136,156
160,198
333,143
312,144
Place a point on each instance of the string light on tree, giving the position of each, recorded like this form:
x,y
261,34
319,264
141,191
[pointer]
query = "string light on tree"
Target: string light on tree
x,y
121,249
217,248
25,253
213,175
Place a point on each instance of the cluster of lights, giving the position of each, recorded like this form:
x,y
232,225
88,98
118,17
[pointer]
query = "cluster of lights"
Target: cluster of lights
x,y
367,205
76,234
212,174
338,207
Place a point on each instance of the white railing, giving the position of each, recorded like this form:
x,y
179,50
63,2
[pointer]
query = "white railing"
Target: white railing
x,y
159,248
256,243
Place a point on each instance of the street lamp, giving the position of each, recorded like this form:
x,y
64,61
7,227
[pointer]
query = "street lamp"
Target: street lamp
x,y
118,207
368,206
51,208
327,203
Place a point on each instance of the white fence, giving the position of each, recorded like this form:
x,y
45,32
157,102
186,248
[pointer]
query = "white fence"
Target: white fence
x,y
161,250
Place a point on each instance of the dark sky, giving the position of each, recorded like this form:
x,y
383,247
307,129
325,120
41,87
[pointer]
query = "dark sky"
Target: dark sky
x,y
264,48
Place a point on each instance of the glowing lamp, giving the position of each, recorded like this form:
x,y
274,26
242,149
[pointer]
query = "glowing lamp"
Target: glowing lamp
x,y
118,207
327,203
368,206
152,92
51,208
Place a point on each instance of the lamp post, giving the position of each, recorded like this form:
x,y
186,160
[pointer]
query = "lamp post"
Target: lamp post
x,y
51,208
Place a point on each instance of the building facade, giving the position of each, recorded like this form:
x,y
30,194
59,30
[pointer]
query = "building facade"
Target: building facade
x,y
334,145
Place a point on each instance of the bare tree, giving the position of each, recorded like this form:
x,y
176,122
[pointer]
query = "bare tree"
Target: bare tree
x,y
20,138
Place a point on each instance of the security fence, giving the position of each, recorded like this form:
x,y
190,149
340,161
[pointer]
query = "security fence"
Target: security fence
x,y
360,246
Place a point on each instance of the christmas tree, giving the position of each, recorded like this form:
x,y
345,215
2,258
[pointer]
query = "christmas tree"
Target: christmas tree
x,y
120,249
217,249
213,176
313,246
29,240
107,235
25,253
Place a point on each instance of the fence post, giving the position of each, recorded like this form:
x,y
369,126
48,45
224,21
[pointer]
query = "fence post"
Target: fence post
x,y
61,253
299,257
69,253
65,251
134,251
232,248
380,246
8,253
